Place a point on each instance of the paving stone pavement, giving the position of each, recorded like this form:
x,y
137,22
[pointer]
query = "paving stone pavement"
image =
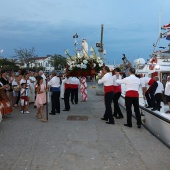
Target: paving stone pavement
x,y
28,144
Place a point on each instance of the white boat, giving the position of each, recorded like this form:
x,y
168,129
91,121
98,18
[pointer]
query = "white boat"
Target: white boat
x,y
157,122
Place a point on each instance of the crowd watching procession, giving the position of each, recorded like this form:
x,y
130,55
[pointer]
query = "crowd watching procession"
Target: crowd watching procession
x,y
23,88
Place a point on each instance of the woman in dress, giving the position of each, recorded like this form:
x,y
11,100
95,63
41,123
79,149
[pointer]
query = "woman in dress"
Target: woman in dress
x,y
5,106
83,89
40,99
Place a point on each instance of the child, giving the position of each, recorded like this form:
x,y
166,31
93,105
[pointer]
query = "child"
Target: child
x,y
24,99
40,98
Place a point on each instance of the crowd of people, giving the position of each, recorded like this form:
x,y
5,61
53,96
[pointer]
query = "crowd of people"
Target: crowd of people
x,y
152,90
20,89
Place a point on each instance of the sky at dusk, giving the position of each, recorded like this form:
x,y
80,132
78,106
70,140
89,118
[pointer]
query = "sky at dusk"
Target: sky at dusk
x,y
130,27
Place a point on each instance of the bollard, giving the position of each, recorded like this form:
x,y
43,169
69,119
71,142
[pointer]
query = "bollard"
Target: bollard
x,y
99,90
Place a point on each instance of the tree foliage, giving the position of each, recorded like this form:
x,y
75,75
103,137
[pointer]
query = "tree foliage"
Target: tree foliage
x,y
5,64
26,56
58,61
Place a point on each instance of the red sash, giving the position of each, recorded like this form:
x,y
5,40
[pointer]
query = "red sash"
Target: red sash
x,y
117,89
132,93
74,86
108,89
67,86
151,81
24,98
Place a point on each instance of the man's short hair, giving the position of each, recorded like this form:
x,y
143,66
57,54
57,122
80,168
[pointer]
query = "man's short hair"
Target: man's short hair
x,y
156,78
117,69
54,72
132,70
107,68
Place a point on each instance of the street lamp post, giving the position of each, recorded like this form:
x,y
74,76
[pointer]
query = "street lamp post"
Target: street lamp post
x,y
75,36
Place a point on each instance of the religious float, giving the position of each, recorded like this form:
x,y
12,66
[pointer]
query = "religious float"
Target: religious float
x,y
83,64
157,122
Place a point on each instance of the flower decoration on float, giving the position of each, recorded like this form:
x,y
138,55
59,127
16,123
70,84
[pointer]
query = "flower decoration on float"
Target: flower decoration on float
x,y
82,61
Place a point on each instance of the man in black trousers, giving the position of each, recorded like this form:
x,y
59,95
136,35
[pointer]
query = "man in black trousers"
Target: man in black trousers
x,y
132,84
54,84
74,90
67,85
107,80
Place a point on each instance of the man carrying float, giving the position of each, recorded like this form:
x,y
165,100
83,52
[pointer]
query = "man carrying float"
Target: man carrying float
x,y
107,80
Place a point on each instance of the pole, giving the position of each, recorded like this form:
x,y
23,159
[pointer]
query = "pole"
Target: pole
x,y
101,42
46,102
25,97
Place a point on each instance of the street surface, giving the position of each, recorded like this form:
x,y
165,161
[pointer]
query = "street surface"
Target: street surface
x,y
60,144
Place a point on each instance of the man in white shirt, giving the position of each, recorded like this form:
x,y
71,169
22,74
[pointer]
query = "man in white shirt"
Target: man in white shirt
x,y
117,93
75,82
54,84
132,84
158,93
167,93
107,80
67,87
43,76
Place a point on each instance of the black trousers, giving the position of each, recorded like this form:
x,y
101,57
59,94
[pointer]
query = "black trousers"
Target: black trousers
x,y
66,98
55,101
116,104
108,105
74,95
129,101
159,99
18,98
150,95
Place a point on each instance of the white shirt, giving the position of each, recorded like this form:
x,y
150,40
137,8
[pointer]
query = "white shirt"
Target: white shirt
x,y
167,88
107,80
131,83
14,83
54,82
24,81
44,79
144,81
75,80
67,80
114,80
160,88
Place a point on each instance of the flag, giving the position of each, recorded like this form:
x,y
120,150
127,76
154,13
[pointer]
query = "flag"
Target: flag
x,y
168,37
166,26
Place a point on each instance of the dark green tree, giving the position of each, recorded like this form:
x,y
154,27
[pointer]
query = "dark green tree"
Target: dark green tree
x,y
6,64
58,61
26,56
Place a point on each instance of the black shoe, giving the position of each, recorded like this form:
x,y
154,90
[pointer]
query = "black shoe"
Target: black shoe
x,y
66,110
154,109
58,112
127,125
72,102
139,126
76,103
52,113
111,123
119,117
104,119
149,107
114,115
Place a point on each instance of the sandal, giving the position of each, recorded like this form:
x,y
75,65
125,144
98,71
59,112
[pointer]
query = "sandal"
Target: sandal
x,y
44,120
